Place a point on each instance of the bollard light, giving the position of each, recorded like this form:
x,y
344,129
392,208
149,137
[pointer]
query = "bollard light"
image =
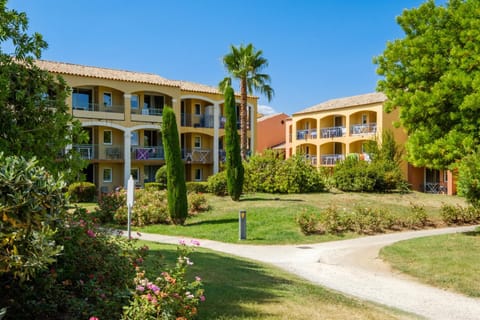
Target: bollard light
x,y
242,224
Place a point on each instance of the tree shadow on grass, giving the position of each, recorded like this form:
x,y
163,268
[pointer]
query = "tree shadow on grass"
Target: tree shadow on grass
x,y
475,233
211,222
270,199
229,283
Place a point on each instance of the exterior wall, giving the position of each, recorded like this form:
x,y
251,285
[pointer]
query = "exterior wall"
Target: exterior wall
x,y
271,132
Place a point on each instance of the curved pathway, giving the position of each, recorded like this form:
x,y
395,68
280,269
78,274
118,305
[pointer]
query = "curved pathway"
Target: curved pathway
x,y
353,267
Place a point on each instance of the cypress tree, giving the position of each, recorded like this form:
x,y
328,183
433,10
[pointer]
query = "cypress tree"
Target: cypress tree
x,y
234,164
176,186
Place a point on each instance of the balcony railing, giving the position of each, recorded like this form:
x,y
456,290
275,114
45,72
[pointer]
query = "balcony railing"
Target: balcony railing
x,y
197,155
148,111
306,134
367,128
99,152
148,153
331,159
312,159
99,108
333,132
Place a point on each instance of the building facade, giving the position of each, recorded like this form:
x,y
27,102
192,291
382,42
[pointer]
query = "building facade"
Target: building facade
x,y
271,132
121,111
328,132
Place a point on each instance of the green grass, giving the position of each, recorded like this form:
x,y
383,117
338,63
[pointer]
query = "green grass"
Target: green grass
x,y
271,218
448,261
238,288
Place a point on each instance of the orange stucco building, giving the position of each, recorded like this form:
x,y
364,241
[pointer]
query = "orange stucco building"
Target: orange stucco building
x,y
271,132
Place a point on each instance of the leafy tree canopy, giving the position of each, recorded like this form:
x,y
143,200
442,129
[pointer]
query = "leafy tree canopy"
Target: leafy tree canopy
x,y
33,111
433,76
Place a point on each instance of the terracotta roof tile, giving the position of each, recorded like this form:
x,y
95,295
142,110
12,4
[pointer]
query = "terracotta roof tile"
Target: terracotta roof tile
x,y
359,100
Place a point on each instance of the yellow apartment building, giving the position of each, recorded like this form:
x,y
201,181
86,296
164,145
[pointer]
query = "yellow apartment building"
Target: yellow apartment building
x,y
121,111
325,133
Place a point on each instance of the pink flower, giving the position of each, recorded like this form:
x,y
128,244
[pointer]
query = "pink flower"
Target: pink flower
x,y
182,242
202,298
90,233
197,278
195,242
93,318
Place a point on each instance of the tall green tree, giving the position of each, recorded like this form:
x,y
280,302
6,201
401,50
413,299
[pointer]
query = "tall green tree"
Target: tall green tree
x,y
433,76
235,171
34,116
176,186
245,64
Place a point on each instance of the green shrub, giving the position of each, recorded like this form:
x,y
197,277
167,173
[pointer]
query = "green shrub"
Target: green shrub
x,y
270,173
416,218
367,221
197,186
335,221
152,186
82,191
161,177
197,202
453,215
217,184
308,222
150,207
109,204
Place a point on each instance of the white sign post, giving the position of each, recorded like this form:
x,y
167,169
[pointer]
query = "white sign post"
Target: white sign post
x,y
130,199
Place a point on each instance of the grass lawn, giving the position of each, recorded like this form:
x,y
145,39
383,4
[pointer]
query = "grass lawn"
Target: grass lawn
x,y
271,218
447,261
237,288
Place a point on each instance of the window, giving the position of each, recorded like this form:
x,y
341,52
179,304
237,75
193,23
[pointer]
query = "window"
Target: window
x,y
82,98
198,174
134,138
107,99
198,142
198,109
107,174
107,137
134,102
135,174
445,175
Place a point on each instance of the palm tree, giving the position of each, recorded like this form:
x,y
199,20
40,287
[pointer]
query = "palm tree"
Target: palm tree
x,y
245,64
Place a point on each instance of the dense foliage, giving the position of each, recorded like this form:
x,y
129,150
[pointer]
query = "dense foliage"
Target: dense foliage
x,y
271,173
217,184
432,76
234,166
245,64
176,187
469,178
382,173
161,177
33,109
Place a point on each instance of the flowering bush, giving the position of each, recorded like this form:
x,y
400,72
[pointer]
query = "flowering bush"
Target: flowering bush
x,y
169,296
197,202
109,204
150,208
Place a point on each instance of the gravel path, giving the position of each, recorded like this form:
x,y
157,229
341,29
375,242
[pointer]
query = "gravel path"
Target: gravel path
x,y
353,267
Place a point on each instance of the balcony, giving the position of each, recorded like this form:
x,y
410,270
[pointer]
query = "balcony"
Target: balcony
x,y
360,129
147,114
148,153
306,134
95,110
197,155
102,152
311,159
331,159
333,132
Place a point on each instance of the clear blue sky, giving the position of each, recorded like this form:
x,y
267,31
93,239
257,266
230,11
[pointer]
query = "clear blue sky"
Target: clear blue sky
x,y
317,49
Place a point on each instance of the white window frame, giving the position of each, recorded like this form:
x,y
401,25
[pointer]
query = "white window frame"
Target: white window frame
x,y
110,103
199,146
111,137
198,171
198,109
104,175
